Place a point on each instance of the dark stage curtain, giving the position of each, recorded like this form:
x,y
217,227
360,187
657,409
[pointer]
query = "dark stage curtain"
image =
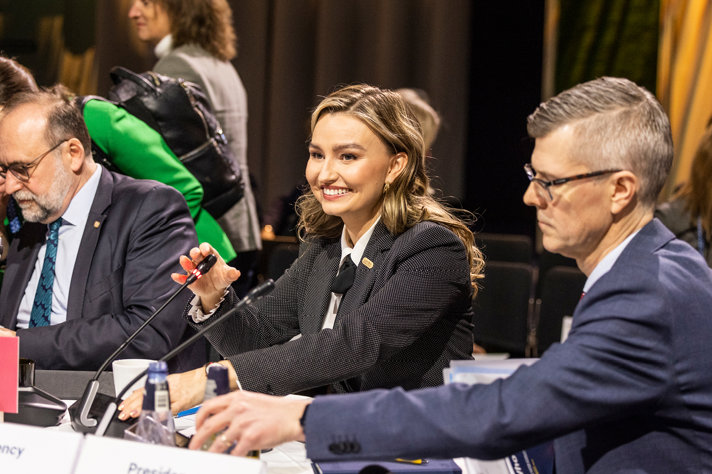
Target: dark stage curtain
x,y
608,38
479,62
293,51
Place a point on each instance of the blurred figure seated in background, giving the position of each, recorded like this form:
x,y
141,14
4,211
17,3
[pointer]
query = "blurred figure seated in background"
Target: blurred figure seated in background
x,y
689,214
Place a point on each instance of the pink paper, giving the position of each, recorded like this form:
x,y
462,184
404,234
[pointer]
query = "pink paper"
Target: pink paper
x,y
9,367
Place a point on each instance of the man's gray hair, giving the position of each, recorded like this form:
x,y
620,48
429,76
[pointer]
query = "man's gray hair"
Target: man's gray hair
x,y
617,124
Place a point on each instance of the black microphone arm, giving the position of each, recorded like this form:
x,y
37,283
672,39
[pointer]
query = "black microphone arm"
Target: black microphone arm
x,y
83,421
254,294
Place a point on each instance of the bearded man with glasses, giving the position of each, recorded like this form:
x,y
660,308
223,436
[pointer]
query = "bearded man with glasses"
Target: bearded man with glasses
x,y
92,260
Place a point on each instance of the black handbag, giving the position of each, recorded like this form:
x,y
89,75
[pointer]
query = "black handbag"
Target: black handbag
x,y
180,112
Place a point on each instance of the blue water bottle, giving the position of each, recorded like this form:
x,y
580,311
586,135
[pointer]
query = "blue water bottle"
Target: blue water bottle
x,y
155,424
217,384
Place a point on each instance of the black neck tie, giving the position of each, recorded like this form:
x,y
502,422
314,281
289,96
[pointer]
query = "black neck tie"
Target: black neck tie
x,y
345,278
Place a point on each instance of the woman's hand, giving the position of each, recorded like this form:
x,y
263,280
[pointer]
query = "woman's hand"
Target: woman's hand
x,y
186,389
253,420
212,285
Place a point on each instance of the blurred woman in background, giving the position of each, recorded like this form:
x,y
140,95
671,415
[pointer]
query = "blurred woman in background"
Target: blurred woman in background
x,y
195,40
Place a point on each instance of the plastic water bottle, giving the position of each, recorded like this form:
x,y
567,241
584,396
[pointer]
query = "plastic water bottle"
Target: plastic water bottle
x,y
218,384
155,424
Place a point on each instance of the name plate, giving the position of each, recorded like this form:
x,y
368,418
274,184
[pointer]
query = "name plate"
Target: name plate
x,y
111,455
26,448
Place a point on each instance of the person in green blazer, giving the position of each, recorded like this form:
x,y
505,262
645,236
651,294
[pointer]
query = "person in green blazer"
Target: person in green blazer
x,y
133,146
139,151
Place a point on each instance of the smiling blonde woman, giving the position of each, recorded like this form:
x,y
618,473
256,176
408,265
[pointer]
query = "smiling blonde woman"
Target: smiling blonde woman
x,y
407,310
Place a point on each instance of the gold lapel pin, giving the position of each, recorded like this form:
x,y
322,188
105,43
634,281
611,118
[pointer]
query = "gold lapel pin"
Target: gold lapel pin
x,y
96,224
367,262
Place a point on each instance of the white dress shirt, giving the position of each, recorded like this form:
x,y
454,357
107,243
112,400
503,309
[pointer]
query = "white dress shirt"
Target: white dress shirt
x,y
607,262
70,236
164,46
355,255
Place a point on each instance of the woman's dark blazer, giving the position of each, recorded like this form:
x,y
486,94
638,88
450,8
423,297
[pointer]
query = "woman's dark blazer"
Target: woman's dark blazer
x,y
406,316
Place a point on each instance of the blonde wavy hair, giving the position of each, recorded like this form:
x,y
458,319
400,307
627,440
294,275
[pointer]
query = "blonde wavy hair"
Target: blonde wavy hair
x,y
405,201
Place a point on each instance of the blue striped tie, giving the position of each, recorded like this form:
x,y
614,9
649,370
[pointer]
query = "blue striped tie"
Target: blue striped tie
x,y
42,306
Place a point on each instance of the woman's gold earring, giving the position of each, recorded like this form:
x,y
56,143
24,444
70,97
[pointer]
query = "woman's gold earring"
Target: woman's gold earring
x,y
386,187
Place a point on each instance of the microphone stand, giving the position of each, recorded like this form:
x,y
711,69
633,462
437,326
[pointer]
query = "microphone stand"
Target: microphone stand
x,y
81,419
255,293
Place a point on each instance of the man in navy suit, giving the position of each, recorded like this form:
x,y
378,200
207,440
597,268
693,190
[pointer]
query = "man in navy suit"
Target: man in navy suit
x,y
117,242
631,388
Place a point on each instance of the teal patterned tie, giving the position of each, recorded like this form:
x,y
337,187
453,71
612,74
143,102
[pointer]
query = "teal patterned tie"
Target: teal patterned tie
x,y
42,307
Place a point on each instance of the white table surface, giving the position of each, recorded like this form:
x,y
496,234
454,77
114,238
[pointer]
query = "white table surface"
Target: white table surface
x,y
288,458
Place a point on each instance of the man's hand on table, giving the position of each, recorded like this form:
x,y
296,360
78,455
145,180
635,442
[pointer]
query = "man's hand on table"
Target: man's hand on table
x,y
253,420
4,332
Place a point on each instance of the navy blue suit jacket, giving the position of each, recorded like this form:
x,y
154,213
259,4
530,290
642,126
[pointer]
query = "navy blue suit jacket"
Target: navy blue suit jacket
x,y
629,391
135,233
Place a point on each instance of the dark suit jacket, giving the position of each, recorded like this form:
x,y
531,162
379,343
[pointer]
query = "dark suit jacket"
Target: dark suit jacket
x,y
629,391
405,317
135,232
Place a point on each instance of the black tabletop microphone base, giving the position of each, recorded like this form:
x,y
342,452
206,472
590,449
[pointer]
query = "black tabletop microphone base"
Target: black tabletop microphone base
x,y
35,406
96,412
83,413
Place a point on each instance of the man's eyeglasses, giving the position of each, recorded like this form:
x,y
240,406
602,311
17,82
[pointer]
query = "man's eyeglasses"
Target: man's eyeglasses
x,y
23,171
531,172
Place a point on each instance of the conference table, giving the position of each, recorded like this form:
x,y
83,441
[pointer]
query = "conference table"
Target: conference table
x,y
289,458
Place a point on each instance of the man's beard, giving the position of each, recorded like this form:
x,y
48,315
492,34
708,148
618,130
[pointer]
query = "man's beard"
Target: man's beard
x,y
42,207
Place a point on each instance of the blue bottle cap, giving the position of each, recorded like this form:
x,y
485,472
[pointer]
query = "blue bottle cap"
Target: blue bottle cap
x,y
158,366
219,375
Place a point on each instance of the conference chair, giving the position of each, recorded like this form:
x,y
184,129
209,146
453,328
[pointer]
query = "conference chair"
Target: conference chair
x,y
504,307
276,256
505,247
561,289
546,261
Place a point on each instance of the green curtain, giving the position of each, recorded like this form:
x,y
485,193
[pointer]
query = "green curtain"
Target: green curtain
x,y
607,38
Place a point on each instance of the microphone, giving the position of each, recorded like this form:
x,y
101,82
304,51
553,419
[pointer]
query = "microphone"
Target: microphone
x,y
80,411
254,294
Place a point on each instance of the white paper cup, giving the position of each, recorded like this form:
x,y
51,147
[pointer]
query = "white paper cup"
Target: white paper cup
x,y
125,370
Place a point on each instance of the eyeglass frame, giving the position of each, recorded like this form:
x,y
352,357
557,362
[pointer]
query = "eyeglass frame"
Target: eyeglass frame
x,y
530,171
27,168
